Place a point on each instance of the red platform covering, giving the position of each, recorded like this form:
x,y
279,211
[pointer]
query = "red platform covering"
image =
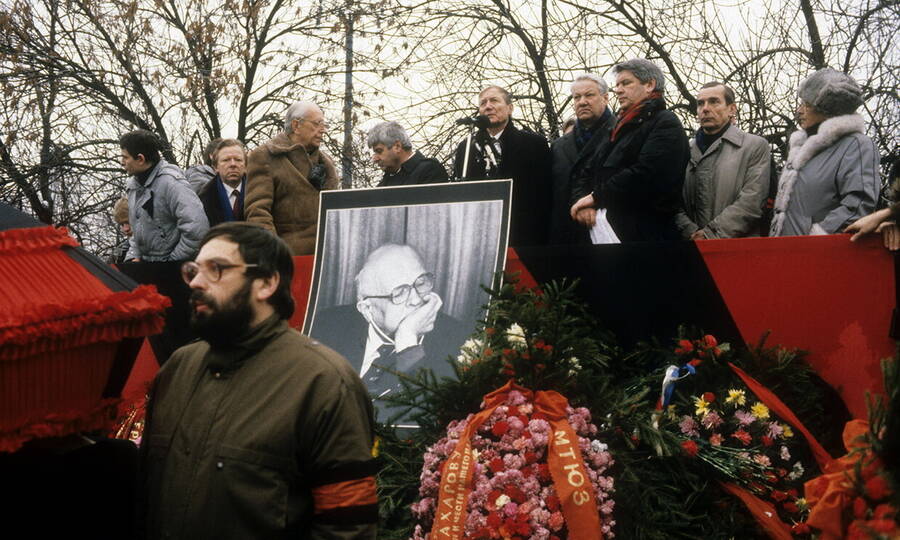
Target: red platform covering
x,y
824,294
60,329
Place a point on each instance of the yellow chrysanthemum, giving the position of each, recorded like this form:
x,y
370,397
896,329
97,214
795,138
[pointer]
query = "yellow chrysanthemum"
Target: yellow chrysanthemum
x,y
671,412
738,397
760,411
702,406
376,447
786,431
801,504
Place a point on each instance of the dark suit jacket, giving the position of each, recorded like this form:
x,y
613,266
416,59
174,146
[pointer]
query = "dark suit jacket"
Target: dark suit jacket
x,y
525,157
212,205
416,170
343,329
638,177
568,163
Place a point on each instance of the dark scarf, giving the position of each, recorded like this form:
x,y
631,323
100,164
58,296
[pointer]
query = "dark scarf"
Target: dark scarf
x,y
142,177
705,140
628,116
583,133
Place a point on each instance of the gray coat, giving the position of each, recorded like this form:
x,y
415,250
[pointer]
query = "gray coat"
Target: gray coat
x,y
166,216
725,188
830,179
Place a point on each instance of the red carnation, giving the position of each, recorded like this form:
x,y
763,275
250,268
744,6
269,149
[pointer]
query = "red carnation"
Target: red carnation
x,y
516,494
710,341
766,440
742,436
508,353
492,496
876,488
792,492
883,525
689,447
859,508
684,347
482,534
530,457
800,528
494,520
544,473
883,511
539,367
695,362
791,507
709,397
490,331
488,351
500,428
552,503
496,465
778,495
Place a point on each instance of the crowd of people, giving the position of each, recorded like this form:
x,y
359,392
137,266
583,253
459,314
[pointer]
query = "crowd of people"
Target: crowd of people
x,y
257,431
635,172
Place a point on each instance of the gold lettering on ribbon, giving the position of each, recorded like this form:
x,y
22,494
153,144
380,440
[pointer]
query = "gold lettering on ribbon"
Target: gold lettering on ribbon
x,y
575,478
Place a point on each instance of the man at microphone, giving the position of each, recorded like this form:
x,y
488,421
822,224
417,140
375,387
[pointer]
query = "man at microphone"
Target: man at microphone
x,y
500,150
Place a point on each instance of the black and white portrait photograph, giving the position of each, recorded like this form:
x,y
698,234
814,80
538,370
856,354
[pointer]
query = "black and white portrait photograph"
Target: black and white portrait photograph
x,y
399,273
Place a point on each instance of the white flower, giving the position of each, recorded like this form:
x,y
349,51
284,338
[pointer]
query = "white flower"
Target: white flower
x,y
796,472
785,454
598,446
515,335
502,500
469,351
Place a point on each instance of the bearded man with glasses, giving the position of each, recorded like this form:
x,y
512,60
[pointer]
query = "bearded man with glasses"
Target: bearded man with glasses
x,y
255,431
401,328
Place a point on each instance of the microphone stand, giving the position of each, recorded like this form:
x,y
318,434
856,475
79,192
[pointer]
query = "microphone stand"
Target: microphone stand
x,y
465,169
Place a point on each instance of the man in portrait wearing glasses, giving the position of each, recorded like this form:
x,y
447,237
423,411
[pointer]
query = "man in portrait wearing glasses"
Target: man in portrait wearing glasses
x,y
396,324
285,176
254,431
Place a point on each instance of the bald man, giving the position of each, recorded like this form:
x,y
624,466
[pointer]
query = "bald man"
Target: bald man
x,y
396,322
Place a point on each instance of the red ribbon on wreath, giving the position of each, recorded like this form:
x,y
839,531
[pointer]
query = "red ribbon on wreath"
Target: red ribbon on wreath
x,y
573,487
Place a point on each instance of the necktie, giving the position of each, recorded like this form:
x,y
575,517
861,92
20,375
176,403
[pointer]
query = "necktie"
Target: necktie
x,y
236,207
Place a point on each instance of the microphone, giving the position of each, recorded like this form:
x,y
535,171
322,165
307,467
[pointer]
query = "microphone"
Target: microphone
x,y
479,121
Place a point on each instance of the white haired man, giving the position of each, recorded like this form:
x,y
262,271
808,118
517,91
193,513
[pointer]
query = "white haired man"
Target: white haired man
x,y
572,153
285,176
392,152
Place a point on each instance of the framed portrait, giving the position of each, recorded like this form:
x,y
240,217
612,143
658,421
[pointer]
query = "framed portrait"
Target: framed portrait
x,y
398,276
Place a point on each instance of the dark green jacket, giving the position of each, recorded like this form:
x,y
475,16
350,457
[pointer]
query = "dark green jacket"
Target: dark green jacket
x,y
238,441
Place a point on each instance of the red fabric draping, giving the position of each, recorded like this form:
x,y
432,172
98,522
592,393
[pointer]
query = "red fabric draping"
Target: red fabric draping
x,y
60,329
823,294
764,513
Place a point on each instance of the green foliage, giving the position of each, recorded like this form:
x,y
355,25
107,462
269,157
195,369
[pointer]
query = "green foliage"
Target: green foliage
x,y
548,340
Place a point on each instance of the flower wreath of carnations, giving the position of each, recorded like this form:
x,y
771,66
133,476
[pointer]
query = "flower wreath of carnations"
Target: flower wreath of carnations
x,y
527,466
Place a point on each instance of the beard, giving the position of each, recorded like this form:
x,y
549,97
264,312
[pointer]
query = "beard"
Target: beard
x,y
224,324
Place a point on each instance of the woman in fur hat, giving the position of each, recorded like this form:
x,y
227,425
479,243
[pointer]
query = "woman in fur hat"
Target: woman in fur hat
x,y
830,177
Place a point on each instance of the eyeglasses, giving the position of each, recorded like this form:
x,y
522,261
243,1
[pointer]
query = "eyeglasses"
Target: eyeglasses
x,y
211,269
318,124
423,285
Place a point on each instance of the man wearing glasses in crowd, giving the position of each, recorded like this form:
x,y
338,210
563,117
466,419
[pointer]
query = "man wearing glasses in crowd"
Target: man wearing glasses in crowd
x,y
402,327
255,431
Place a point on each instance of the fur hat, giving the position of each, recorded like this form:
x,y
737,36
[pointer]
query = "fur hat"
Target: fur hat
x,y
831,92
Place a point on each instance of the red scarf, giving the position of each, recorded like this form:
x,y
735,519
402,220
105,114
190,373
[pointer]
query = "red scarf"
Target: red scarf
x,y
631,113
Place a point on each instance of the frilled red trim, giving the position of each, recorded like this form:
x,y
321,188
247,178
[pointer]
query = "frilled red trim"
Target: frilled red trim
x,y
54,327
60,425
23,240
